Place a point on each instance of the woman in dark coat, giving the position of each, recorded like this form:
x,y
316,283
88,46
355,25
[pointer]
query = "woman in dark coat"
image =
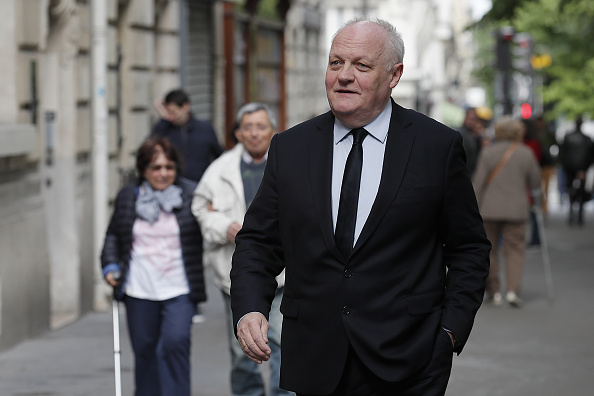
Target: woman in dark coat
x,y
152,255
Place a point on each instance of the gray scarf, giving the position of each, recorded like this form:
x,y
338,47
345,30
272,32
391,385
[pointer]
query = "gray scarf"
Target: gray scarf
x,y
150,201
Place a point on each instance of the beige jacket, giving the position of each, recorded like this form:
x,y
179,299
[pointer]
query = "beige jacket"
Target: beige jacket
x,y
218,202
505,198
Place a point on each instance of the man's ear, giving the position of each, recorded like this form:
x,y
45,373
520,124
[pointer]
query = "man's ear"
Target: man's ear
x,y
397,71
238,135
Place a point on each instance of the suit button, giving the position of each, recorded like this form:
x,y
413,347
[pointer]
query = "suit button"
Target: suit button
x,y
346,310
348,273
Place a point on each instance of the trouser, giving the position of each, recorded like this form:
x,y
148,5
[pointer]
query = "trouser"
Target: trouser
x,y
513,236
246,379
547,173
576,186
160,334
432,380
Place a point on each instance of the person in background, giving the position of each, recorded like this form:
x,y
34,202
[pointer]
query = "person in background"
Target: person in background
x,y
505,171
547,161
471,144
483,132
531,140
154,242
371,211
220,202
194,139
576,155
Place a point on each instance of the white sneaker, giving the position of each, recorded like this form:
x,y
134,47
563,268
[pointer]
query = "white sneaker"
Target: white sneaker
x,y
513,299
198,318
497,299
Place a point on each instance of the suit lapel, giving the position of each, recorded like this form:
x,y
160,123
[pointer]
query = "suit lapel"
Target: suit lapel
x,y
320,173
398,148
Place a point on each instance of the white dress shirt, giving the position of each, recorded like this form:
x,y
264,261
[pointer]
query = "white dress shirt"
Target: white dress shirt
x,y
374,147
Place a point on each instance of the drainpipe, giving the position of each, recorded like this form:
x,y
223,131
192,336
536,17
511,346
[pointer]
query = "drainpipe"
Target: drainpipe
x,y
100,140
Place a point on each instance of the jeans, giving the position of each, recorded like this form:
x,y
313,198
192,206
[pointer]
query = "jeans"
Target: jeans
x,y
246,379
160,337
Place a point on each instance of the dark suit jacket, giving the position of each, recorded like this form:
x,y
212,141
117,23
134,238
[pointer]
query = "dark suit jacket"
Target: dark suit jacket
x,y
393,295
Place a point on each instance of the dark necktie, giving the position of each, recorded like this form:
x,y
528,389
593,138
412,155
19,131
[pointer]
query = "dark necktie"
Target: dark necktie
x,y
349,195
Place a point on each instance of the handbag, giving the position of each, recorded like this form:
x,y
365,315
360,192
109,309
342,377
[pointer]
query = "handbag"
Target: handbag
x,y
506,156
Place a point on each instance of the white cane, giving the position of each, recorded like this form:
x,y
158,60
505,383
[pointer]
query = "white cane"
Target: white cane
x,y
116,342
116,348
544,250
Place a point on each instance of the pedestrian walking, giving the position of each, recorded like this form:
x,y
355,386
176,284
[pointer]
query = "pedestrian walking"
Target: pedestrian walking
x,y
194,139
154,242
576,155
370,209
220,202
506,170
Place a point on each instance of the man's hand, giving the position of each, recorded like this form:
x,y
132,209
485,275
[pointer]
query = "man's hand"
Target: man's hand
x,y
252,334
232,231
452,338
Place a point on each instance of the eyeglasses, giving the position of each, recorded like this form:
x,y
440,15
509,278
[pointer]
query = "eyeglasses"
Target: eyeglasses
x,y
259,127
156,168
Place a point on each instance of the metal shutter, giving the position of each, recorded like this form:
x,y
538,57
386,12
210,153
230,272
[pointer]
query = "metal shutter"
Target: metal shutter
x,y
198,58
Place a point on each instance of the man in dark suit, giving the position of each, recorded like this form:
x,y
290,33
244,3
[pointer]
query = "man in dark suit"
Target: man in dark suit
x,y
379,296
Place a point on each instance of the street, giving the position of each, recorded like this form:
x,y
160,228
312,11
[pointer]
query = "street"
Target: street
x,y
544,348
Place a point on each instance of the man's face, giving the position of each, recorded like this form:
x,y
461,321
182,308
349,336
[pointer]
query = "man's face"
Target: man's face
x,y
255,132
471,119
176,114
358,82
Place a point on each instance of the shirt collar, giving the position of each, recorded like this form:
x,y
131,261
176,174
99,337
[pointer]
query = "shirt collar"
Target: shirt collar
x,y
378,128
247,158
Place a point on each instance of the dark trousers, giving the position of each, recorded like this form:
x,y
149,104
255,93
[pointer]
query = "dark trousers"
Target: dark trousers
x,y
576,187
432,380
160,337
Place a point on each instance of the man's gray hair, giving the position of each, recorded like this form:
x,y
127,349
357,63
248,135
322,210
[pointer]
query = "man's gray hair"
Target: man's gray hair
x,y
252,107
395,43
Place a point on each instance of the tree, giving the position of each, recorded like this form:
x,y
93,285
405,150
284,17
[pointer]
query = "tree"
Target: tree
x,y
564,30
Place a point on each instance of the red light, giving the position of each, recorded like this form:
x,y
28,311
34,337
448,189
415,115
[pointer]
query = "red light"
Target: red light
x,y
526,110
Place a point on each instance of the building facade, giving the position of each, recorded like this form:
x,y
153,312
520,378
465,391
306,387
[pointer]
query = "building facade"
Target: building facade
x,y
78,83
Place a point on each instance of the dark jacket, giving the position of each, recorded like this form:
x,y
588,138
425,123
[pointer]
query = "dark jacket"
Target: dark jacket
x,y
471,148
197,143
118,239
576,152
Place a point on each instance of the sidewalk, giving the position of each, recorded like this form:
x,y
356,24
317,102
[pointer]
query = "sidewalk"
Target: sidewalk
x,y
545,348
77,360
542,349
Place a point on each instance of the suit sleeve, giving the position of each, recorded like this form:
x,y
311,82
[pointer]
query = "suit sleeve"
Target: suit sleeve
x,y
258,256
465,248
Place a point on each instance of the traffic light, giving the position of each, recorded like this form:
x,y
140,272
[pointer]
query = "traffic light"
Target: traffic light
x,y
526,110
503,75
541,61
522,53
504,37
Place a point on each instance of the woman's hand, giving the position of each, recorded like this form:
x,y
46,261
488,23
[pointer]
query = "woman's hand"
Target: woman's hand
x,y
113,278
